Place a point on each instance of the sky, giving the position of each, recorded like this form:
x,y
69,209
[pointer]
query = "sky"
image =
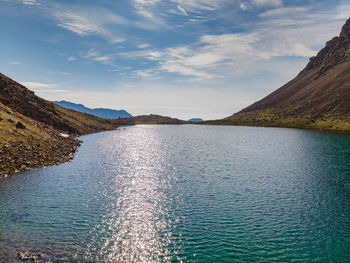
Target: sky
x,y
178,58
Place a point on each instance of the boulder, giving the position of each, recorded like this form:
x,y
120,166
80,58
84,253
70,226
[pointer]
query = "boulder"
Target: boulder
x,y
20,125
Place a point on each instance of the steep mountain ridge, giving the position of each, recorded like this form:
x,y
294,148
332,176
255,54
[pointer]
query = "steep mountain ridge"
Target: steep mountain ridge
x,y
319,97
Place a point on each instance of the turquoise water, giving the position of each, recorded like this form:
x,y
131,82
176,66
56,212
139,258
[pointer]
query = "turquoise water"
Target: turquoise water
x,y
186,194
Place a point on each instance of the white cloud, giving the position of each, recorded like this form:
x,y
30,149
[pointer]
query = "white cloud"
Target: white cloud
x,y
267,2
182,10
105,59
199,5
144,74
71,58
91,21
280,12
343,11
15,63
91,53
146,2
243,6
38,85
44,88
29,2
78,24
142,46
148,12
94,55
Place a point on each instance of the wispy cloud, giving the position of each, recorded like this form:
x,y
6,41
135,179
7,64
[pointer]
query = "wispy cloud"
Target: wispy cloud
x,y
29,2
43,88
217,55
144,73
94,55
90,21
143,46
243,6
267,2
224,55
38,85
199,5
280,12
148,14
71,58
15,63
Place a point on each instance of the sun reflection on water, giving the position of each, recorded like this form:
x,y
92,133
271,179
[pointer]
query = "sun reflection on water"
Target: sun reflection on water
x,y
136,227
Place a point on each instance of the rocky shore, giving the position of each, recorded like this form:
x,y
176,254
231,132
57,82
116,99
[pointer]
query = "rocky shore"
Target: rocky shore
x,y
17,156
23,254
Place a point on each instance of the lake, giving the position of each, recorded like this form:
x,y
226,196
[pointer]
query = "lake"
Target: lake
x,y
186,194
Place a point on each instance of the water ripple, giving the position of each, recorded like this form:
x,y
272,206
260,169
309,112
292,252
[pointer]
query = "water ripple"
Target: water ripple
x,y
186,194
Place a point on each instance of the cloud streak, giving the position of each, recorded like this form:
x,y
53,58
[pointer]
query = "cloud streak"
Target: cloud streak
x,y
90,21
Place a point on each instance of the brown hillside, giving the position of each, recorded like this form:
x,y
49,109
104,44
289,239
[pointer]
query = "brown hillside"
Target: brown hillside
x,y
21,100
149,119
31,129
319,97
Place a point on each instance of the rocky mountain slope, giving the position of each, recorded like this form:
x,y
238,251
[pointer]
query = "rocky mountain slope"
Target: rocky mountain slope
x,y
98,112
35,132
319,97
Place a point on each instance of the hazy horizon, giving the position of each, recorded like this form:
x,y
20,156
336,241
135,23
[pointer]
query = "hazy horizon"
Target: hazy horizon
x,y
184,59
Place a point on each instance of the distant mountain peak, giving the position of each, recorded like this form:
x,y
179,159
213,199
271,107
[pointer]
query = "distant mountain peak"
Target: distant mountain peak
x,y
98,112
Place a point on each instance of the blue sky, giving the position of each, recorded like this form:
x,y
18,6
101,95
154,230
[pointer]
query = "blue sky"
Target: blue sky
x,y
181,58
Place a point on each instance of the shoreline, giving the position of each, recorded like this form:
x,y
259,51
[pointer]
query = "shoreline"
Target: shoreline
x,y
17,157
22,158
285,126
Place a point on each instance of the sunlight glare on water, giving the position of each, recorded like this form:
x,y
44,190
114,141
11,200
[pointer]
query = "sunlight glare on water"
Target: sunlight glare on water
x,y
136,219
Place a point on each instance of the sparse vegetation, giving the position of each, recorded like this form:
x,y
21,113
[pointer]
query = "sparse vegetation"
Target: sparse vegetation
x,y
31,127
318,98
149,119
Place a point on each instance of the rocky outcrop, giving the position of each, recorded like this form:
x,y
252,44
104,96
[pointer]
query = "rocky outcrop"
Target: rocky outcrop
x,y
335,52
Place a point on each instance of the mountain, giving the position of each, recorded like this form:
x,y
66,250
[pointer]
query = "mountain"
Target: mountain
x,y
195,120
149,119
318,97
35,132
98,112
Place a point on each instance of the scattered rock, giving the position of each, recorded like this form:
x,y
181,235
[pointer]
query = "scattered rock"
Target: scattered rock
x,y
10,120
20,125
34,257
24,255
